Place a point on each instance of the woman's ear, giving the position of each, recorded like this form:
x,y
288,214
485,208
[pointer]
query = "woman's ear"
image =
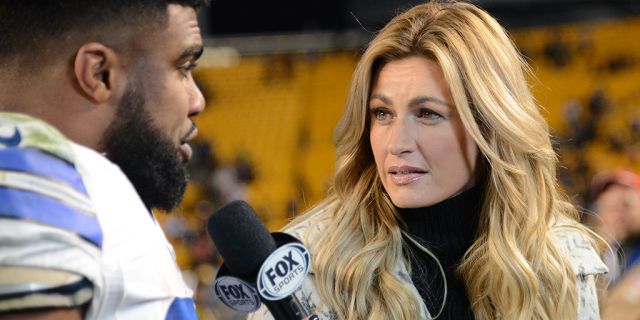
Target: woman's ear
x,y
482,168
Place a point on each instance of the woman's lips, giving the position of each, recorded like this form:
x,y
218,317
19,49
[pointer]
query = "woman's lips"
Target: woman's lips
x,y
402,175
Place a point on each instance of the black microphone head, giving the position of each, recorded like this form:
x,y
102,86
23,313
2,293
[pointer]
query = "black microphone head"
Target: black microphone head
x,y
241,238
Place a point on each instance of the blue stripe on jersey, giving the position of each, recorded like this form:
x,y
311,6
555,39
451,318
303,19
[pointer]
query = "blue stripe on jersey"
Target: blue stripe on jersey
x,y
182,309
27,205
40,163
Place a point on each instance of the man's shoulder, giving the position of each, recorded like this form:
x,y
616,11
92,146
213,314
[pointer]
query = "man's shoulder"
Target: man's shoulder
x,y
26,132
38,169
47,219
36,157
61,202
20,133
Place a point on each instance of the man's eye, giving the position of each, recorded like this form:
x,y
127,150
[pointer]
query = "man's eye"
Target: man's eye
x,y
188,67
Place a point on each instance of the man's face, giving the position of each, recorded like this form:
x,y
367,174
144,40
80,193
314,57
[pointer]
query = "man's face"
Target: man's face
x,y
148,138
632,218
612,209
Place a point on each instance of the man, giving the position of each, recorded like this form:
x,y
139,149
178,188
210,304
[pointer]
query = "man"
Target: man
x,y
609,192
616,197
81,81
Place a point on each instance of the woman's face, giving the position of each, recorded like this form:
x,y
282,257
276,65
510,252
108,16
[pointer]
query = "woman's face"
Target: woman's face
x,y
422,151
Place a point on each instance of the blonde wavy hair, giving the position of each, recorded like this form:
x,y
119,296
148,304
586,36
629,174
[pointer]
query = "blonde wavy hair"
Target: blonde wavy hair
x,y
513,268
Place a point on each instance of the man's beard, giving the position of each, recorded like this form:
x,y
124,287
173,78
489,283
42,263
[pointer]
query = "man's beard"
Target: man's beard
x,y
147,157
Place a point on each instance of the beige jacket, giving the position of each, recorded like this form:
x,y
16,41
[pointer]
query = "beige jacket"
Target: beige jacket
x,y
584,258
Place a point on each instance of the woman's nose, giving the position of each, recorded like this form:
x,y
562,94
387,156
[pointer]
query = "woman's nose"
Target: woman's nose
x,y
400,138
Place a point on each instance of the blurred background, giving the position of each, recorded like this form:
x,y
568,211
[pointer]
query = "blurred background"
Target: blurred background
x,y
275,75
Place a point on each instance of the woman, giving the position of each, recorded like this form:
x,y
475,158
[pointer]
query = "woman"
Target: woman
x,y
445,202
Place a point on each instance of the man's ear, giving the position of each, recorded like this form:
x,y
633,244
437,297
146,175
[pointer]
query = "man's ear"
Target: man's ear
x,y
96,71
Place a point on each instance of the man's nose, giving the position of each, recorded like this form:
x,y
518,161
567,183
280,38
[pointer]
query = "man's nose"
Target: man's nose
x,y
196,100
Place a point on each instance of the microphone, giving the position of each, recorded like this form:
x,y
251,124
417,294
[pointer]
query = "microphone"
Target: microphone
x,y
257,264
236,293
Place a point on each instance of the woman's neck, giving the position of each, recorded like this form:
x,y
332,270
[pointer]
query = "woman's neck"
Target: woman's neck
x,y
449,226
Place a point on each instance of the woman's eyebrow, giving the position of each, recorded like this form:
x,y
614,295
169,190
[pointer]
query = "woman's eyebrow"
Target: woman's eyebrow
x,y
381,97
422,99
414,102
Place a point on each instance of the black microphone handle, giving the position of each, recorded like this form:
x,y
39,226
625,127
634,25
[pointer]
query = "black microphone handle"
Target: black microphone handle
x,y
285,309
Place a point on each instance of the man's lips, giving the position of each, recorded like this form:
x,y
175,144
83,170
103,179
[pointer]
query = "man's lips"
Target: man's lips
x,y
185,148
193,131
186,152
402,175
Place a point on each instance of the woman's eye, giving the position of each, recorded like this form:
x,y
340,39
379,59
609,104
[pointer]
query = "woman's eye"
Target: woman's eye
x,y
429,114
380,114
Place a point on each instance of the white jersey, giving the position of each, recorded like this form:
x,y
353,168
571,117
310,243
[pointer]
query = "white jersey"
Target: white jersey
x,y
73,228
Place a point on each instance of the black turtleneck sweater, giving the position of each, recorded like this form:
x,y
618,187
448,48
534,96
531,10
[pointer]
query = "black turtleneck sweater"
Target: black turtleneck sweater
x,y
447,229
